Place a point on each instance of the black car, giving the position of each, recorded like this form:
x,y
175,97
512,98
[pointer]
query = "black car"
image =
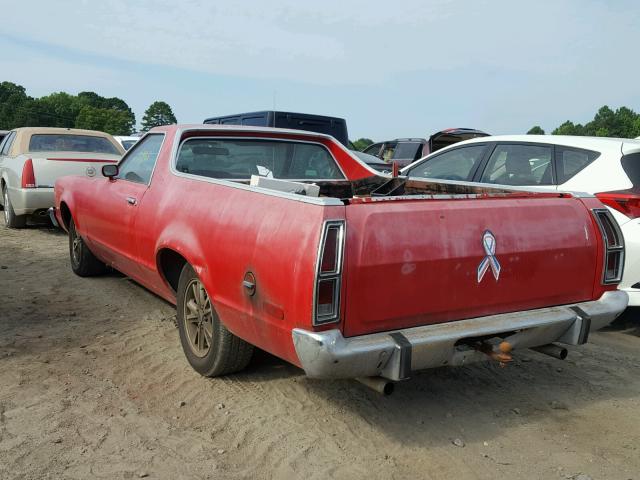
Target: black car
x,y
334,126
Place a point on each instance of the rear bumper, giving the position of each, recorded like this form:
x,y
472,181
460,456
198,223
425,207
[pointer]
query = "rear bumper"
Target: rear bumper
x,y
394,355
26,201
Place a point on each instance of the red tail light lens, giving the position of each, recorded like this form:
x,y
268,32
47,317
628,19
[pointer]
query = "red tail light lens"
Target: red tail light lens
x,y
326,300
28,177
624,202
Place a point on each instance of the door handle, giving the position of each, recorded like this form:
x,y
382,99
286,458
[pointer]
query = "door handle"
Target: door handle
x,y
131,200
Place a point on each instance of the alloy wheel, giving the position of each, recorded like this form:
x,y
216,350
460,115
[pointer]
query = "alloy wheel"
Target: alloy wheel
x,y
198,319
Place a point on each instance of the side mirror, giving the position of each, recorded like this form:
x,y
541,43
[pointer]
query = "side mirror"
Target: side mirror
x,y
110,171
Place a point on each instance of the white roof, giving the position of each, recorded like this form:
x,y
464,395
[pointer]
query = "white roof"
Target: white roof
x,y
625,145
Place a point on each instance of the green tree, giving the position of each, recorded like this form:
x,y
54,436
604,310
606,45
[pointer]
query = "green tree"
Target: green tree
x,y
58,110
536,130
568,128
622,123
362,143
16,108
85,110
158,113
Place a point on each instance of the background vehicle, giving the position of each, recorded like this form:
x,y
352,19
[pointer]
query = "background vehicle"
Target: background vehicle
x,y
368,276
31,159
404,151
126,142
3,133
374,162
336,127
606,167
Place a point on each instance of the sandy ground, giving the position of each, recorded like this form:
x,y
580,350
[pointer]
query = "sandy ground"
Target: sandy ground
x,y
93,384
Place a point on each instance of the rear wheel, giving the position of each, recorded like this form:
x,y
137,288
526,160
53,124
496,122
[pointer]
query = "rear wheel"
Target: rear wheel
x,y
83,262
11,220
210,348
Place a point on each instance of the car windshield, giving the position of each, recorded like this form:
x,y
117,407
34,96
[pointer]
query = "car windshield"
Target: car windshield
x,y
71,143
127,144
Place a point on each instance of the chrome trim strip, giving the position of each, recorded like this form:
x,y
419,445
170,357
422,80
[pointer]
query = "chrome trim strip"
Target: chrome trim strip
x,y
335,275
617,247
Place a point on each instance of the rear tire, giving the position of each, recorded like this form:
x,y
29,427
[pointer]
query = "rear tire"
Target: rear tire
x,y
83,262
11,220
210,348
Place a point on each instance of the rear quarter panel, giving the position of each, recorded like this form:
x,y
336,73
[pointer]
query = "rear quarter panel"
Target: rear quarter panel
x,y
226,231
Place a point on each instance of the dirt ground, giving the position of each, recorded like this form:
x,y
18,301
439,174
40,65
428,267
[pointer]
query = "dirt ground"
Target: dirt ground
x,y
93,384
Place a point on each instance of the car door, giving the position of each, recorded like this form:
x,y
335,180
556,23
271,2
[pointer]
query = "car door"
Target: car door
x,y
112,209
525,164
458,163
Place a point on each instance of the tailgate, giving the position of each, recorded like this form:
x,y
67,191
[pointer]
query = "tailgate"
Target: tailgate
x,y
49,166
417,263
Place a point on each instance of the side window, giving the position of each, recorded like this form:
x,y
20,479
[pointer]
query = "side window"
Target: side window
x,y
457,164
238,159
8,141
570,161
520,165
373,149
138,164
388,150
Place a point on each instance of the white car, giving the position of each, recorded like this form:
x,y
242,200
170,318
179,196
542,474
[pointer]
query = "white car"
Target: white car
x,y
126,142
608,168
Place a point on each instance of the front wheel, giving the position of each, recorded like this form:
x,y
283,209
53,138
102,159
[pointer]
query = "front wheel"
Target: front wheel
x,y
210,348
83,262
12,220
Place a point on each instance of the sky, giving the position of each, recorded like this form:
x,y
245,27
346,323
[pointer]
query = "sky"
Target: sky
x,y
406,68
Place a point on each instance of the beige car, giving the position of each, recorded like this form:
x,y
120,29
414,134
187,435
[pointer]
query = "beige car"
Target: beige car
x,y
33,158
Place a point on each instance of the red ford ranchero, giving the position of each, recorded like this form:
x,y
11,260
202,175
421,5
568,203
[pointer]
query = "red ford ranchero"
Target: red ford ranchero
x,y
283,240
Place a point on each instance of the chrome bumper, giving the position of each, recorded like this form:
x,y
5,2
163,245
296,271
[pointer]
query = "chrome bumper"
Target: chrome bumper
x,y
394,355
52,217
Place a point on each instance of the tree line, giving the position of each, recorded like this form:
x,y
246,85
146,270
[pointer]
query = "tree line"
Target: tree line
x,y
620,123
86,110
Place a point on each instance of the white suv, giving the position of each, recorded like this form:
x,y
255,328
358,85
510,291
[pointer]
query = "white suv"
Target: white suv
x,y
609,168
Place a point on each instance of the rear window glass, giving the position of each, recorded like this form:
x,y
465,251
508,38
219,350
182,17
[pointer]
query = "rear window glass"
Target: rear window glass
x,y
240,158
571,161
631,166
407,150
71,143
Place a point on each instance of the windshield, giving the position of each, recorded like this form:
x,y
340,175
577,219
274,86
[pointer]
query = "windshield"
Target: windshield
x,y
127,144
71,143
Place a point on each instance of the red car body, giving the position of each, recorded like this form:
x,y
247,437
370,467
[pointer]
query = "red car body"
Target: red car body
x,y
407,266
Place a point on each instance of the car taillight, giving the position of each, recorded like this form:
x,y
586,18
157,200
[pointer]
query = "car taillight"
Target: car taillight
x,y
326,298
624,202
613,246
28,177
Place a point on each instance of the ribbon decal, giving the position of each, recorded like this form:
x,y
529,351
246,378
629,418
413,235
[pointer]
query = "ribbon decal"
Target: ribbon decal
x,y
490,260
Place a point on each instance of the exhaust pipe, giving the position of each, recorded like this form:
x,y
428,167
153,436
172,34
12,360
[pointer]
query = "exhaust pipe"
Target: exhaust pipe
x,y
552,350
379,384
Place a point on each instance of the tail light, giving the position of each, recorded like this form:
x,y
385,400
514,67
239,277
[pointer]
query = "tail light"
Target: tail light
x,y
613,246
326,299
624,202
28,177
